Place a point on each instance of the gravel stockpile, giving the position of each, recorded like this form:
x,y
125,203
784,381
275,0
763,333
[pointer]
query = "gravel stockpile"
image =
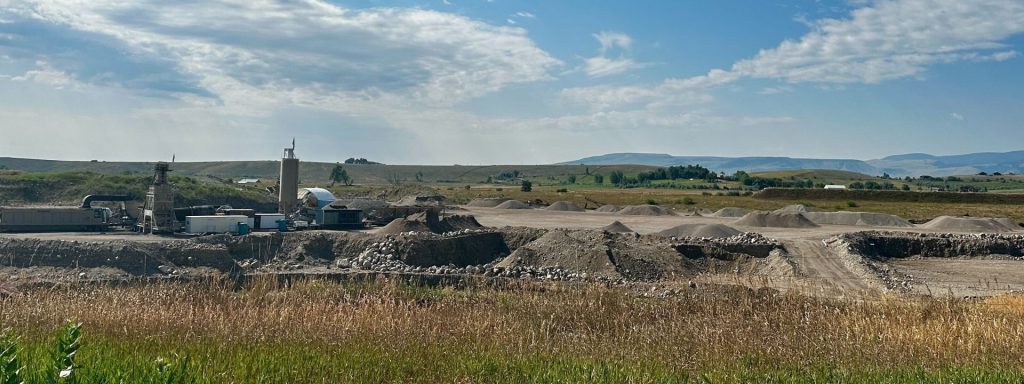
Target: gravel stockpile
x,y
617,227
858,219
773,219
730,212
971,224
716,231
645,210
607,208
361,203
429,222
564,206
513,204
795,208
489,202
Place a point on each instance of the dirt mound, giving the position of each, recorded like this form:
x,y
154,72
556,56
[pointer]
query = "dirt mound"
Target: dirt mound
x,y
773,219
970,224
795,208
730,212
422,201
617,227
607,208
565,206
858,218
429,222
703,212
645,210
700,230
513,204
489,202
365,204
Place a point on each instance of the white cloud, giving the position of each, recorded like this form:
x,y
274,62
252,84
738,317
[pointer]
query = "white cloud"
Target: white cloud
x,y
602,65
885,40
775,90
510,21
312,52
956,116
611,40
527,15
47,76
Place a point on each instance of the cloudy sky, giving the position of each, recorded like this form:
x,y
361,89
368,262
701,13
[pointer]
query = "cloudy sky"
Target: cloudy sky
x,y
501,81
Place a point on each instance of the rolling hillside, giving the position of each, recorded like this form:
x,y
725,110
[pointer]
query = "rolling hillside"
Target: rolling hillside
x,y
313,172
914,164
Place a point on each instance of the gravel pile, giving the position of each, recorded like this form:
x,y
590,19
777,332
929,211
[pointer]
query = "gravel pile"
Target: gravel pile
x,y
617,227
971,224
487,202
564,206
607,208
774,219
730,212
858,219
645,210
700,230
513,204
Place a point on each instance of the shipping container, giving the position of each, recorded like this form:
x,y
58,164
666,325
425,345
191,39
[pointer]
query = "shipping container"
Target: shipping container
x,y
215,224
267,220
51,219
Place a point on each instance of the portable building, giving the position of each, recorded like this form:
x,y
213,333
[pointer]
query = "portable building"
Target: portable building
x,y
267,220
216,223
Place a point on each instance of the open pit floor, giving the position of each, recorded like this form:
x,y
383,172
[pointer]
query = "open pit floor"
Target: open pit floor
x,y
543,244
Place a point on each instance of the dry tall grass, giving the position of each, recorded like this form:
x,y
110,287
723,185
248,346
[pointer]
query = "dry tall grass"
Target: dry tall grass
x,y
429,334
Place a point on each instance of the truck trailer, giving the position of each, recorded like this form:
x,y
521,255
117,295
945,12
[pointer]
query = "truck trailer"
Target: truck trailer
x,y
54,219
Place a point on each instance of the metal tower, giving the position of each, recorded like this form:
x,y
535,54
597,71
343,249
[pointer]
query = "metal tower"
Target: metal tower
x,y
158,213
288,191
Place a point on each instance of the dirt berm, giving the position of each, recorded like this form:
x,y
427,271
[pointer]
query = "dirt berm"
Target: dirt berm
x,y
901,245
430,221
774,219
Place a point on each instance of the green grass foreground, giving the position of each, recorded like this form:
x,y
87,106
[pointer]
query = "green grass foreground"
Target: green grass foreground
x,y
385,331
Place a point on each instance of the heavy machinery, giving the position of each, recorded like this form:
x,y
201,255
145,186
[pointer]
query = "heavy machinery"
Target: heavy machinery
x,y
158,213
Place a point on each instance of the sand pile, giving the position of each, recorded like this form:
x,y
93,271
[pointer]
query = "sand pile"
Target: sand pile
x,y
703,212
607,208
773,219
971,224
645,210
795,208
489,202
513,204
730,212
617,227
422,201
430,222
700,230
858,219
565,206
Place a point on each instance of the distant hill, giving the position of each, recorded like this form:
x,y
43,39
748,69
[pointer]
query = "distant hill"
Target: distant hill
x,y
316,172
913,164
730,164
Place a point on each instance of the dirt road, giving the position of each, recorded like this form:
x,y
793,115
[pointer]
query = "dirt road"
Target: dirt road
x,y
821,269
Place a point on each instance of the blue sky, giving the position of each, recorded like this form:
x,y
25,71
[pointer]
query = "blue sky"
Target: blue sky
x,y
484,82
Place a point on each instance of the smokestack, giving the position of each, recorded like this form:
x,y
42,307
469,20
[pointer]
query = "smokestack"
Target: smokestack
x,y
289,189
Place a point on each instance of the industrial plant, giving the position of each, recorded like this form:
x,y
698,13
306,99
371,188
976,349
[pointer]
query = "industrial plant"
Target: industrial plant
x,y
298,209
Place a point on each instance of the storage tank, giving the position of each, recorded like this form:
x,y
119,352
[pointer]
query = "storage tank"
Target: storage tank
x,y
289,181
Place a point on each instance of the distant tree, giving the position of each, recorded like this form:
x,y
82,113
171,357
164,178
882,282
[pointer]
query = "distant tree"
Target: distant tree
x,y
527,186
982,173
572,179
906,187
616,177
598,179
340,175
419,176
360,160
